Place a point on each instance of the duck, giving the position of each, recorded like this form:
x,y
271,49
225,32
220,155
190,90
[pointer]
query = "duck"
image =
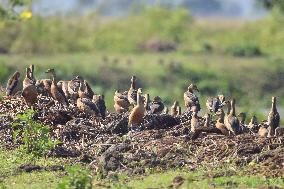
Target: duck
x,y
99,101
137,113
190,99
13,86
220,123
253,122
194,123
28,80
30,94
232,122
132,92
213,104
32,69
121,103
63,85
207,121
44,86
85,104
56,93
73,87
156,106
174,108
273,119
88,90
242,116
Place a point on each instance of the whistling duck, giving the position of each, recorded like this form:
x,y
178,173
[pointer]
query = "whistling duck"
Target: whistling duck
x,y
232,123
174,110
190,99
207,120
99,101
27,80
156,106
214,104
44,86
85,104
13,86
137,113
220,122
63,85
242,117
56,93
194,124
88,90
147,102
273,120
121,103
73,87
132,92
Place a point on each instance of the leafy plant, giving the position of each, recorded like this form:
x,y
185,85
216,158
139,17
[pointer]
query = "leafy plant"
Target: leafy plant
x,y
78,178
34,135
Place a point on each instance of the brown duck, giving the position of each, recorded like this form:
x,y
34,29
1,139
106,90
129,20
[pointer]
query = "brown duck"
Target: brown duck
x,y
174,108
273,119
207,121
13,86
213,104
56,93
28,80
232,123
137,113
190,99
194,123
99,101
220,123
156,106
132,92
85,104
121,103
74,85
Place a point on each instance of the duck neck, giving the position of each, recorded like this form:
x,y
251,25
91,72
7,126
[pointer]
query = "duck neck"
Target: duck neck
x,y
54,78
133,85
273,107
147,101
233,110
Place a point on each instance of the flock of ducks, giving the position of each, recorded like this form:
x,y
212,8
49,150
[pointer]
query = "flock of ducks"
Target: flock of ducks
x,y
77,91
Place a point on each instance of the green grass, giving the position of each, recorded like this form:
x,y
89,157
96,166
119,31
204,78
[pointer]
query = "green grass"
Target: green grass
x,y
10,177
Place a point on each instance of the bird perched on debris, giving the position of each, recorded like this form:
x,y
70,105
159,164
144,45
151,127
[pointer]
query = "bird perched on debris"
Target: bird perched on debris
x,y
174,108
13,86
28,80
29,91
190,99
63,85
85,104
232,123
273,120
194,124
99,101
44,86
156,106
73,87
88,90
121,103
137,113
56,93
213,104
132,92
220,122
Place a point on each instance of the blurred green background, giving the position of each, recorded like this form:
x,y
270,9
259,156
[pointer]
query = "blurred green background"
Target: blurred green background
x,y
230,47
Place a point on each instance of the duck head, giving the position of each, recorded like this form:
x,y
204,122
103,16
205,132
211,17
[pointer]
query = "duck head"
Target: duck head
x,y
192,88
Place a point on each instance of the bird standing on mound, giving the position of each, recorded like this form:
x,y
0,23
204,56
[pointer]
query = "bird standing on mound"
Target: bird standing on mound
x,y
190,99
214,104
137,113
121,103
29,89
56,93
220,123
73,87
232,123
132,92
273,120
13,86
99,101
85,104
156,106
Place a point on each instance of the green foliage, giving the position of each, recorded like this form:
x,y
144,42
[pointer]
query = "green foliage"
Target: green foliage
x,y
34,135
245,50
78,178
